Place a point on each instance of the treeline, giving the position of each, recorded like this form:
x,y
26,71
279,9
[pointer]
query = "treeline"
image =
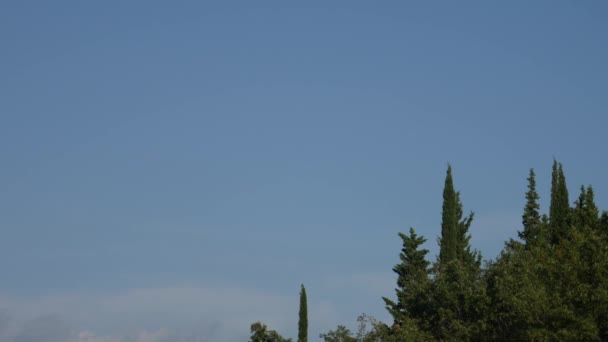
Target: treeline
x,y
549,285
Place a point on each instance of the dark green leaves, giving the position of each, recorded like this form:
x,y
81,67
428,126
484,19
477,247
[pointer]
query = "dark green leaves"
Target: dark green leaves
x,y
303,317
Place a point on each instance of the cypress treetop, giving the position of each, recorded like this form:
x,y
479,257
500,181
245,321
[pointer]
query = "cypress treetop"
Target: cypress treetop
x,y
554,205
303,317
449,220
559,212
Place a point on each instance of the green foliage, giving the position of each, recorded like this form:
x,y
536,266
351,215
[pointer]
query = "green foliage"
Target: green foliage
x,y
559,216
604,222
551,292
413,280
341,334
303,317
449,221
371,330
563,195
471,259
261,333
455,238
451,304
585,212
554,205
531,218
553,286
458,303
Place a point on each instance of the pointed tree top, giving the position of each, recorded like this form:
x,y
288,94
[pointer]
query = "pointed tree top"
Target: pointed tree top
x,y
303,316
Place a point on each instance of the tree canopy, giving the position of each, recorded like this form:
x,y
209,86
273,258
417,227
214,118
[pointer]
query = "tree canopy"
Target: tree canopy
x,y
550,285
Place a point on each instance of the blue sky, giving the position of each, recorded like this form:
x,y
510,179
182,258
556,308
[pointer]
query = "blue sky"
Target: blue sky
x,y
176,170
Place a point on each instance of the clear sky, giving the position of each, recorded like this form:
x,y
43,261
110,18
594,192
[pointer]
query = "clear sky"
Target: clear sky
x,y
175,170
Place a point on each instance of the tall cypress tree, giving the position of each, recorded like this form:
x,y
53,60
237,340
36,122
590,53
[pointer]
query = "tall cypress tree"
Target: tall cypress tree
x,y
449,221
303,317
560,206
554,205
455,238
531,218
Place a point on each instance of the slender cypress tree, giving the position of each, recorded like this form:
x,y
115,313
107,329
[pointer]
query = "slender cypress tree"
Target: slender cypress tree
x,y
455,238
531,217
303,319
554,206
449,221
560,205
